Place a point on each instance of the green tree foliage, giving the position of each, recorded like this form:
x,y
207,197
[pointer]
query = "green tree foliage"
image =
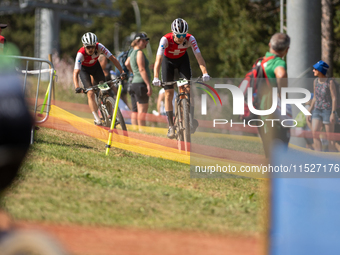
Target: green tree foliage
x,y
245,28
231,34
336,25
20,31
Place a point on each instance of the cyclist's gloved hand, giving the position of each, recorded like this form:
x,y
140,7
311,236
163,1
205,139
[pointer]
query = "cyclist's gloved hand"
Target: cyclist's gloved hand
x,y
79,90
123,76
205,77
156,82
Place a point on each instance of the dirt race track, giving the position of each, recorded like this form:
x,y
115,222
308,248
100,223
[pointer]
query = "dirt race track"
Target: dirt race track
x,y
88,240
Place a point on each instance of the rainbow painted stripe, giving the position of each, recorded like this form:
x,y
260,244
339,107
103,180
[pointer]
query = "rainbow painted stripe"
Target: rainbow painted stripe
x,y
207,91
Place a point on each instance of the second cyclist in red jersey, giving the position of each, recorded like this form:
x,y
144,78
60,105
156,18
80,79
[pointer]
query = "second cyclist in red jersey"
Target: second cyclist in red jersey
x,y
172,54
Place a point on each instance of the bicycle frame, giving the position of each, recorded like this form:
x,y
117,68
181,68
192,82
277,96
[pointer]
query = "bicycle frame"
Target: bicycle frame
x,y
183,118
101,91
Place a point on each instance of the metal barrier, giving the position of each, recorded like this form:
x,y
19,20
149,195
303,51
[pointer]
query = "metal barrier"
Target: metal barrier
x,y
38,71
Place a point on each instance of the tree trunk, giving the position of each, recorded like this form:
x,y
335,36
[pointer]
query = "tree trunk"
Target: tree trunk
x,y
327,34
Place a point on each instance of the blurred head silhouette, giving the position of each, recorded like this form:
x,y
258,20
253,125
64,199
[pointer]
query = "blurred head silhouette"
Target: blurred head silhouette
x,y
15,121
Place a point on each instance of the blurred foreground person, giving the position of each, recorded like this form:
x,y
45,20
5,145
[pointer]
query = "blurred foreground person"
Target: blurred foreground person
x,y
15,133
15,123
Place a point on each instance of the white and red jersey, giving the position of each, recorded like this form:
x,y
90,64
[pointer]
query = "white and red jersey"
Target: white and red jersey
x,y
171,49
86,60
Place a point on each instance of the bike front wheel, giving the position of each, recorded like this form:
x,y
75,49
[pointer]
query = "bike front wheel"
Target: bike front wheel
x,y
110,103
178,126
186,120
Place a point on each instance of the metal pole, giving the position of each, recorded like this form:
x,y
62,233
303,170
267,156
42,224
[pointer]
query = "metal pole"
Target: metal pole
x,y
116,39
137,14
304,29
281,16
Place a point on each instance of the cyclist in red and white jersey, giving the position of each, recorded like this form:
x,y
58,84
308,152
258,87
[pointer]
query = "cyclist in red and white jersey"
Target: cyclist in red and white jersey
x,y
87,65
172,54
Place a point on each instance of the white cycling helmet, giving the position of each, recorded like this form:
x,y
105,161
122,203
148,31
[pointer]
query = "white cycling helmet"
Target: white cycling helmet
x,y
89,39
179,26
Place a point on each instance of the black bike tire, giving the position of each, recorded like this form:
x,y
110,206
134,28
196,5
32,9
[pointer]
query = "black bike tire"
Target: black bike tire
x,y
119,113
177,125
100,111
186,120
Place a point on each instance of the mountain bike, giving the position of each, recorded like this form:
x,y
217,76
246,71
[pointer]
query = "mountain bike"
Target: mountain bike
x,y
183,119
105,100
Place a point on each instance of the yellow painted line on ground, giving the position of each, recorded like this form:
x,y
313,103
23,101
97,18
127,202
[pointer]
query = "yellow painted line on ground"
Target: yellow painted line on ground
x,y
150,149
155,150
312,152
163,131
120,141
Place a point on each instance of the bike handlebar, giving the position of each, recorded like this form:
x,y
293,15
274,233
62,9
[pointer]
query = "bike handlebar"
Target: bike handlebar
x,y
114,81
169,83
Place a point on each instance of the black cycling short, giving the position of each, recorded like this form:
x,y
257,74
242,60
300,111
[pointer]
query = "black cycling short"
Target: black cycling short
x,y
95,71
138,94
170,64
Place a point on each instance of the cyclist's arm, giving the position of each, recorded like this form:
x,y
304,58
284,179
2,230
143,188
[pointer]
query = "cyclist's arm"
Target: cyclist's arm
x,y
116,63
201,63
198,55
75,78
77,67
109,55
163,44
157,67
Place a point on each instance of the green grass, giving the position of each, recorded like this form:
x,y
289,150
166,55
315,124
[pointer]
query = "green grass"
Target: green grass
x,y
230,143
68,179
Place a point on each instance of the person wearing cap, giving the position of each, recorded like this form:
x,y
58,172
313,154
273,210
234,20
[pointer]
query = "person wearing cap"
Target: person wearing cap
x,y
140,89
87,66
323,106
172,54
2,39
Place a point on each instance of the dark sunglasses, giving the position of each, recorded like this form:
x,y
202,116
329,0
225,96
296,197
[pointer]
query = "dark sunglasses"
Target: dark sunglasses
x,y
181,35
90,47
